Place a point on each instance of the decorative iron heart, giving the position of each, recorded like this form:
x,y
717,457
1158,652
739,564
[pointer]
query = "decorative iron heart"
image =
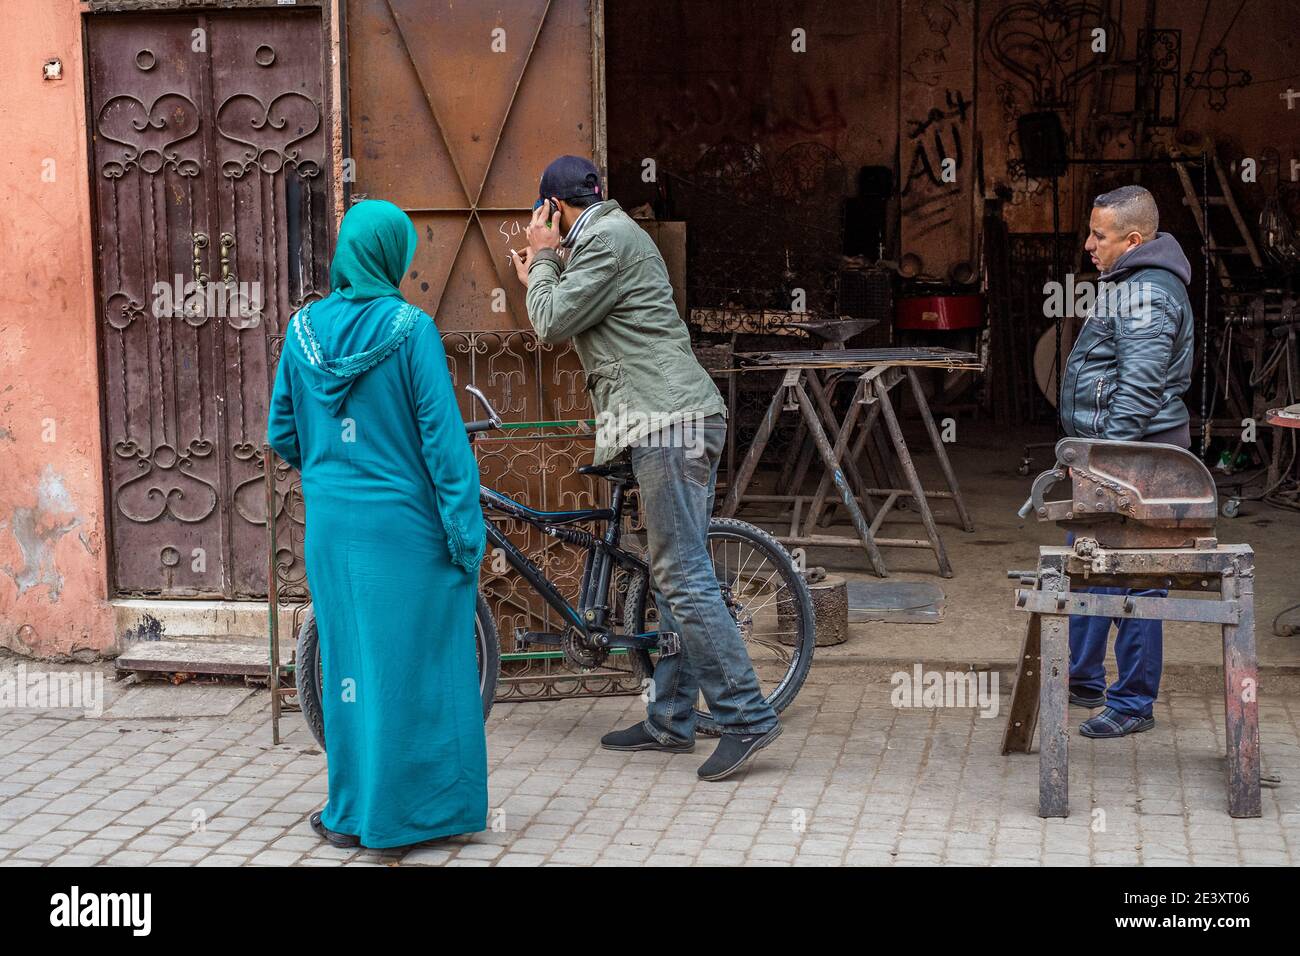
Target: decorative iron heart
x,y
273,129
147,132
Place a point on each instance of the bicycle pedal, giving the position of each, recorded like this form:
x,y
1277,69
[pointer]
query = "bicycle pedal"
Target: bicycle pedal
x,y
669,643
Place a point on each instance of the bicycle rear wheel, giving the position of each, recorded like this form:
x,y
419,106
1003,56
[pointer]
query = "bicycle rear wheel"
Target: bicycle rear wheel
x,y
770,602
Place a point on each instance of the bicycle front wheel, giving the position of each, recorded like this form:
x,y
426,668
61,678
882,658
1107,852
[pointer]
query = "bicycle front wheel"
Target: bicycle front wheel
x,y
770,603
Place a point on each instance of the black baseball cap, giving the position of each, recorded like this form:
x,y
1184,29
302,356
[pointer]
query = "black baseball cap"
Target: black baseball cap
x,y
569,177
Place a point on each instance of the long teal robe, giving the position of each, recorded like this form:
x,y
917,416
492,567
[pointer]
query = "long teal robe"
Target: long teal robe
x,y
364,408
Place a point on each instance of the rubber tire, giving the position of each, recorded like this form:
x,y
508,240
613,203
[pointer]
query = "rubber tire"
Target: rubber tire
x,y
789,688
307,666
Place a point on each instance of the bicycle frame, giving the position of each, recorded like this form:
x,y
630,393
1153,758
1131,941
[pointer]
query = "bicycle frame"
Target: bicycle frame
x,y
603,554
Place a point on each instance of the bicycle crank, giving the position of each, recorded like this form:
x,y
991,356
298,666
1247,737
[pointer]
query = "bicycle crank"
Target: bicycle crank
x,y
579,651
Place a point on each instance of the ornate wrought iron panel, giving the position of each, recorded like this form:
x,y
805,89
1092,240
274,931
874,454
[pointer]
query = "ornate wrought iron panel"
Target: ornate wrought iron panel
x,y
531,381
208,153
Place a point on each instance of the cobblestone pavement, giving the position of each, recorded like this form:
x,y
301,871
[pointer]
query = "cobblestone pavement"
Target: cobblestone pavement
x,y
852,781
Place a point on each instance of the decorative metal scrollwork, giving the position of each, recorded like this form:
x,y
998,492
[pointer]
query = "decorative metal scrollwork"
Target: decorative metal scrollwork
x,y
163,479
150,134
121,310
269,131
1217,78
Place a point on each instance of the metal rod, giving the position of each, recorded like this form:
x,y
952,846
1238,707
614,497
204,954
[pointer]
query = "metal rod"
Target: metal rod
x,y
846,495
936,439
913,479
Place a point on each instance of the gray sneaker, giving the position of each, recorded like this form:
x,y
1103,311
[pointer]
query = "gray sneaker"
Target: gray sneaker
x,y
733,752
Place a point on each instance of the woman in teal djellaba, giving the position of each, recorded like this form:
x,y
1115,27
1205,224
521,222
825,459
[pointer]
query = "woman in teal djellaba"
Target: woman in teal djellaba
x,y
364,408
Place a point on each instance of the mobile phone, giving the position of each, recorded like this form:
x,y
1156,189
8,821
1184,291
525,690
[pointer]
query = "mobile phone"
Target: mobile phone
x,y
553,210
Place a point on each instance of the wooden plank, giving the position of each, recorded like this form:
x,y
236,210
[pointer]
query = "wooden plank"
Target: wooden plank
x,y
841,485
913,479
670,237
1054,731
936,440
843,431
1206,562
1230,200
937,135
1241,701
1018,736
750,463
1197,610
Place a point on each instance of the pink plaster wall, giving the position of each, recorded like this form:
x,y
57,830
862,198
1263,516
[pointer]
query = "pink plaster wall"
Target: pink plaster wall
x,y
53,585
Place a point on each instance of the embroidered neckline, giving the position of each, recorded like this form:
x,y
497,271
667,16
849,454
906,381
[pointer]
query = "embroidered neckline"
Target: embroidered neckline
x,y
403,321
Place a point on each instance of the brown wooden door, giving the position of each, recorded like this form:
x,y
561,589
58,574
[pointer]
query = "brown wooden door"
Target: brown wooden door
x,y
208,168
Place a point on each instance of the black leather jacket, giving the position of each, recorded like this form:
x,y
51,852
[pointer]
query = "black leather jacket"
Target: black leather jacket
x,y
1132,363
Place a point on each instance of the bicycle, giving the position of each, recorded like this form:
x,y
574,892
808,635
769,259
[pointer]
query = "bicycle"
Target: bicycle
x,y
763,590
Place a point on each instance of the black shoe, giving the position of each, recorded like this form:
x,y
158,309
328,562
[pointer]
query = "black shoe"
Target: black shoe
x,y
344,841
1111,723
1087,699
733,752
637,737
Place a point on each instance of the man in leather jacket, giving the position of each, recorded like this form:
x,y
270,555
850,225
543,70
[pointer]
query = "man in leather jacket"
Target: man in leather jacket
x,y
1124,380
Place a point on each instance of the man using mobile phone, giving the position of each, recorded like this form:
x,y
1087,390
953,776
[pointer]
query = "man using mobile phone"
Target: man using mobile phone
x,y
654,402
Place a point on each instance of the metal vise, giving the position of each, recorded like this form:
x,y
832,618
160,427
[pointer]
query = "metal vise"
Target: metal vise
x,y
1129,494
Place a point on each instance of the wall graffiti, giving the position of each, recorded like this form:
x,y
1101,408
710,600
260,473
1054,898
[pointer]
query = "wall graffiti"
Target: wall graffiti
x,y
934,140
1044,47
940,17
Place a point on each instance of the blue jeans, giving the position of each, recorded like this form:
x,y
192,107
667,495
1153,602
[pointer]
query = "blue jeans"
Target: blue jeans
x,y
1139,655
676,481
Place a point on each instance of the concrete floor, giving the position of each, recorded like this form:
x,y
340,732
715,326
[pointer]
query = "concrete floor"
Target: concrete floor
x,y
981,625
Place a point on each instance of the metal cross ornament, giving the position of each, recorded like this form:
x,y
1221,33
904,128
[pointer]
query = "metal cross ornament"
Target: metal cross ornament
x,y
1217,79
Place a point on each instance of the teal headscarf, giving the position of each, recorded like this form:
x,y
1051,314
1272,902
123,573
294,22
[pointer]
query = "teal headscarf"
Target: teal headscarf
x,y
375,247
365,319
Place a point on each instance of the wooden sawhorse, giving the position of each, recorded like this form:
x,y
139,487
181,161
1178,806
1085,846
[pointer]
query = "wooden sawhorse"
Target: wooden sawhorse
x,y
1041,692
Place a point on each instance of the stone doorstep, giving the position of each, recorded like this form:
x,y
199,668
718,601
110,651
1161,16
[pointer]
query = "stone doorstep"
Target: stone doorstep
x,y
242,658
197,637
161,620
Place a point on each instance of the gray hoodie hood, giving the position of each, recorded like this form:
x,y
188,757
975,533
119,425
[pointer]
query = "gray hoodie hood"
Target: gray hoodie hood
x,y
1162,252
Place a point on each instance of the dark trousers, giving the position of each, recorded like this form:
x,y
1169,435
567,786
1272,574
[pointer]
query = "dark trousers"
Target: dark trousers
x,y
1139,645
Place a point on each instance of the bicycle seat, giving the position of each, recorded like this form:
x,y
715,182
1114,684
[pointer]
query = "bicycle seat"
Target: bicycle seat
x,y
617,470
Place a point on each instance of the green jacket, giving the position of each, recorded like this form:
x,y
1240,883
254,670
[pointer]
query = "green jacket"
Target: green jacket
x,y
614,299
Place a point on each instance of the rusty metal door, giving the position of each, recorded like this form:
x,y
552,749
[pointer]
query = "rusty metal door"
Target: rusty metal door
x,y
208,169
454,110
